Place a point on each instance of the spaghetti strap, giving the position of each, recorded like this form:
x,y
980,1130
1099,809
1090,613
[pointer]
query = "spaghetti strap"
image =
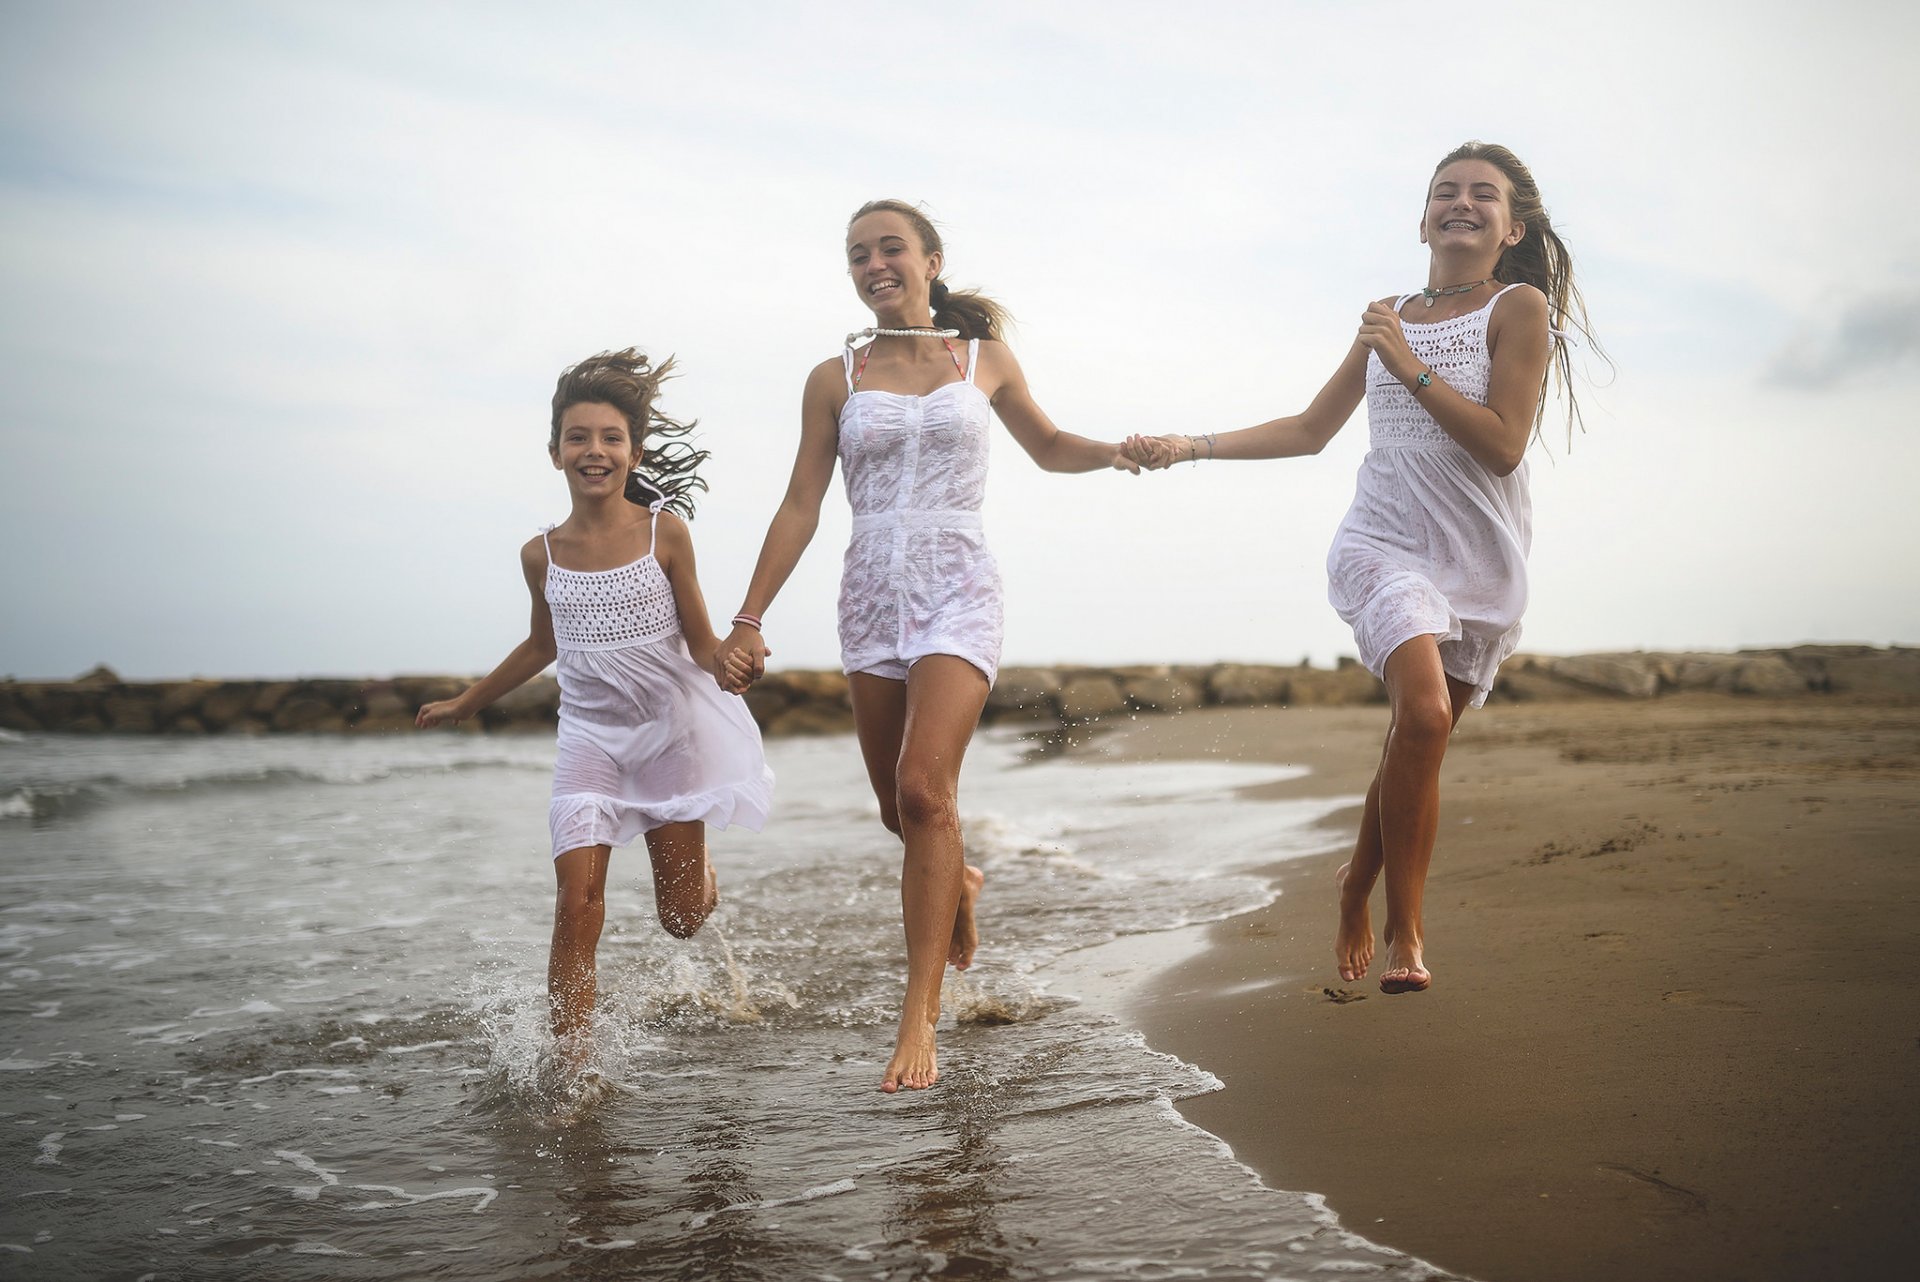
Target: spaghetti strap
x,y
973,357
544,531
1403,300
846,366
653,526
1504,288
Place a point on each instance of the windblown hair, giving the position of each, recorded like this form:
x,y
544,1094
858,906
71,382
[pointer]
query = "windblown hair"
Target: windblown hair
x,y
1540,259
664,467
967,310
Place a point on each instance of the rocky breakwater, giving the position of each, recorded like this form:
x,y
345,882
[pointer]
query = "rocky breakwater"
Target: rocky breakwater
x,y
800,702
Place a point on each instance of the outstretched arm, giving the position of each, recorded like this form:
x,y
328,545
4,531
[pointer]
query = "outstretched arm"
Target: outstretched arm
x,y
1304,433
1001,378
673,549
527,660
795,521
1496,433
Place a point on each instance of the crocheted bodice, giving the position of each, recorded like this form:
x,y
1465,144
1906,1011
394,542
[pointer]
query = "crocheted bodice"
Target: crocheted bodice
x,y
1456,351
611,609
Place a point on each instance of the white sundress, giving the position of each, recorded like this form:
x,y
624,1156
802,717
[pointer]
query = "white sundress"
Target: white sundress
x,y
1434,544
646,736
918,578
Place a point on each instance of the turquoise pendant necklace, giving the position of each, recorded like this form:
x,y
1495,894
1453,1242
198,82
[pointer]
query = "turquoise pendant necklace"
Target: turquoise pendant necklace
x,y
1431,294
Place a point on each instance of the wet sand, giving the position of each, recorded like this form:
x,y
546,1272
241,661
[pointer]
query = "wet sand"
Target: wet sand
x,y
1674,1030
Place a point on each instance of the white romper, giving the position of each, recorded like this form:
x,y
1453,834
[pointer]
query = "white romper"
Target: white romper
x,y
1434,544
646,736
918,578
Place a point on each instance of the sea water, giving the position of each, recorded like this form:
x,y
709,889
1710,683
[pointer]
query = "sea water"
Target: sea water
x,y
275,1008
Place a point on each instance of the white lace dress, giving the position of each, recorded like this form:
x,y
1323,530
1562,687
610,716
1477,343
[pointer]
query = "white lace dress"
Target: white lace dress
x,y
646,736
918,578
1434,544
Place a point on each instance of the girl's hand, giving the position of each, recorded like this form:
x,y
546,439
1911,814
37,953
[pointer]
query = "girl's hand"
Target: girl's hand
x,y
447,712
735,673
1123,462
744,653
1381,333
1155,452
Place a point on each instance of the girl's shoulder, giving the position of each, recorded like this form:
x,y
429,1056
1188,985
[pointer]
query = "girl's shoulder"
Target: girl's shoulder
x,y
1521,300
1520,305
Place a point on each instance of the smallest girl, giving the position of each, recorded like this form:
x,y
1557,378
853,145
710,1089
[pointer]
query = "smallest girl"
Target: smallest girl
x,y
649,743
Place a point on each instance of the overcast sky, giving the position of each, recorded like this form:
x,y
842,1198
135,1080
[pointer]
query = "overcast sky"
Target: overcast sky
x,y
284,291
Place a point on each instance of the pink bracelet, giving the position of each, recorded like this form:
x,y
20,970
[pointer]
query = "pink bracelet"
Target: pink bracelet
x,y
751,620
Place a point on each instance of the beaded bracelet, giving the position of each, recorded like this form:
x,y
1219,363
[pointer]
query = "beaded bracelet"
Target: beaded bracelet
x,y
751,620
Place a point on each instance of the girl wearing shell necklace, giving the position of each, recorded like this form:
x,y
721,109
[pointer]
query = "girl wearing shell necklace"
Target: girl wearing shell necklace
x,y
906,408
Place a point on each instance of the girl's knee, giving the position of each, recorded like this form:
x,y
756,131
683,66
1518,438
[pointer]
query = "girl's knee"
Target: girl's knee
x,y
1424,721
925,800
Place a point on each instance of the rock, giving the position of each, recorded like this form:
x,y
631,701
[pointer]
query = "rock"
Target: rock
x,y
414,691
1769,675
188,724
129,714
178,698
826,687
227,704
383,710
1161,693
1248,685
1892,674
304,713
268,696
1344,686
1091,697
1028,691
98,675
1627,674
811,718
764,705
534,705
1705,671
67,708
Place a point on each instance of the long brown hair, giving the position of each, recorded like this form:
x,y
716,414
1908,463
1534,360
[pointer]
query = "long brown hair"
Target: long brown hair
x,y
967,310
630,383
1541,260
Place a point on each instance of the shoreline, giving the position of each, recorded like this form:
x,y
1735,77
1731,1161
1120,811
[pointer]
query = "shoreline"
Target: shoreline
x,y
1665,1039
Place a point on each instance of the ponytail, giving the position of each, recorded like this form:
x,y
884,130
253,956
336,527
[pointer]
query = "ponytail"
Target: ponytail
x,y
969,311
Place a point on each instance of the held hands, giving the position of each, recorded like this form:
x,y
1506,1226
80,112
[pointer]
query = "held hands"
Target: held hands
x,y
1123,462
1156,452
740,660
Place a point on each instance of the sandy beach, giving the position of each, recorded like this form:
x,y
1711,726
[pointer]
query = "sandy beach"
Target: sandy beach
x,y
1672,1032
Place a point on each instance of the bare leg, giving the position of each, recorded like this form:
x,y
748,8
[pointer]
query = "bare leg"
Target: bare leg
x,y
943,698
684,887
1427,704
1353,939
579,910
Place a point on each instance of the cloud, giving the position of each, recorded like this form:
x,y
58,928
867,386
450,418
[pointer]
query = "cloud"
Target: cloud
x,y
1867,340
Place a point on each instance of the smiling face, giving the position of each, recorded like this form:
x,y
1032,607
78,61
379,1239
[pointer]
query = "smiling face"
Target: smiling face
x,y
594,449
891,269
1470,206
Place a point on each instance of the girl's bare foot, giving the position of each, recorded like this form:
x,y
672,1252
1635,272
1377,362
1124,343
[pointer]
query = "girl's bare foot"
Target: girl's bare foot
x,y
1404,972
966,937
1353,940
914,1065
